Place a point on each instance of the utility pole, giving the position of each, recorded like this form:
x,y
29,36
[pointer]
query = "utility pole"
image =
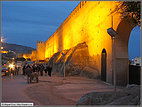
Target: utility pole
x,y
113,33
113,38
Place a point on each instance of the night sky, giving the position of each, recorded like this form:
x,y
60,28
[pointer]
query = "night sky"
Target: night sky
x,y
24,23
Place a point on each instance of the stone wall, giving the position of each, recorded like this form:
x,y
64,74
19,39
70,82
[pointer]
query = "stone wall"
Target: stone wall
x,y
76,62
88,23
40,50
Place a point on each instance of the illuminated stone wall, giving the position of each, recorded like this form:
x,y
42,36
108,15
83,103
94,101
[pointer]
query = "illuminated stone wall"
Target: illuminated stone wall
x,y
88,23
32,56
40,50
26,56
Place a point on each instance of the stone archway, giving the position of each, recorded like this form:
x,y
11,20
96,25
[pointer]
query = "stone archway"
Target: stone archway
x,y
103,65
122,58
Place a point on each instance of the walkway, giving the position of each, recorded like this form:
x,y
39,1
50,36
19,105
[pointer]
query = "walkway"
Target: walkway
x,y
50,90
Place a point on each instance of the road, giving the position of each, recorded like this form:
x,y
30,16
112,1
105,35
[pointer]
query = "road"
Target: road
x,y
50,90
13,90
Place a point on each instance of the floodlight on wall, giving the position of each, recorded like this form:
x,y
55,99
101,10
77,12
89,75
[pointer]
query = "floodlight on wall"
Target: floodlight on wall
x,y
111,32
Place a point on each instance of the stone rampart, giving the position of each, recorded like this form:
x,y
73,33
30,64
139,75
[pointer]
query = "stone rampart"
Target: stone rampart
x,y
88,23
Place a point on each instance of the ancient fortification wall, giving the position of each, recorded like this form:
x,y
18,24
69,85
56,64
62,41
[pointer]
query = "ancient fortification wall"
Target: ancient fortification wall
x,y
40,50
88,23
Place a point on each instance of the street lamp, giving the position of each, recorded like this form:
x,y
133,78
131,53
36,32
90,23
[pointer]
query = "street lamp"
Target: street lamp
x,y
11,66
0,54
113,33
64,65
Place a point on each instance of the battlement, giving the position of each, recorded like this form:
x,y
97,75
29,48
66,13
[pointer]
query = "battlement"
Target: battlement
x,y
40,42
41,50
75,10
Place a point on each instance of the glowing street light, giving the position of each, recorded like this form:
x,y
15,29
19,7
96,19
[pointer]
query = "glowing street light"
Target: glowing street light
x,y
11,66
1,47
1,39
113,33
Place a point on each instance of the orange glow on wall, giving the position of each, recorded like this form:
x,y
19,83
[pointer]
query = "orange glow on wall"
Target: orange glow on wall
x,y
4,51
40,50
32,56
26,56
86,24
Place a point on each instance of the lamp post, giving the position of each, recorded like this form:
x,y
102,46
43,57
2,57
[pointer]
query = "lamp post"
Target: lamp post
x,y
113,33
0,53
64,66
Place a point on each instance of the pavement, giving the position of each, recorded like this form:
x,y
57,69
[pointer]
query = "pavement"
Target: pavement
x,y
56,90
52,90
13,90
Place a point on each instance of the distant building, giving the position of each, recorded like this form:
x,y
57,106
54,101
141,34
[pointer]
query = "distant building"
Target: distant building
x,y
137,61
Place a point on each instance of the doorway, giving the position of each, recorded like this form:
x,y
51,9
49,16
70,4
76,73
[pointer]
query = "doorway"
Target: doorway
x,y
103,65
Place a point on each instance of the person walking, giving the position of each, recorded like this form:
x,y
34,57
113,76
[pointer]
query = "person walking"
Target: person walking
x,y
46,69
24,67
41,69
34,67
16,70
49,68
28,72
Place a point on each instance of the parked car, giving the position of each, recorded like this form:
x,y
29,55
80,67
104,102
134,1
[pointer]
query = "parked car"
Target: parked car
x,y
4,72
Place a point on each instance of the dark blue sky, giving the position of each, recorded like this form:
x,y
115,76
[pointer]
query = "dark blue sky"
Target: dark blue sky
x,y
134,46
24,23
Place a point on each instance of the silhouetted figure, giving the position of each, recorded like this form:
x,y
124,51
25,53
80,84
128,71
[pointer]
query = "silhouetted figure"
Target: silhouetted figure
x,y
16,70
34,68
41,69
49,69
45,70
28,72
38,68
24,67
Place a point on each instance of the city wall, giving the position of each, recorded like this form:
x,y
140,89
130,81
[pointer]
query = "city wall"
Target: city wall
x,y
88,23
40,55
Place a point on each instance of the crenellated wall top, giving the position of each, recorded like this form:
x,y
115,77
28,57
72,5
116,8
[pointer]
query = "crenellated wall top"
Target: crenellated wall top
x,y
75,10
40,42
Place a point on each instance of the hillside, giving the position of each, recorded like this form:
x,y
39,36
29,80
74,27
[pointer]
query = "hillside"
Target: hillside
x,y
17,48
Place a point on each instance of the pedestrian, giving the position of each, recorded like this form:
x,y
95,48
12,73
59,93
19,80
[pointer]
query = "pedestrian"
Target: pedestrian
x,y
41,69
34,67
46,69
12,72
16,70
28,72
24,67
49,68
38,68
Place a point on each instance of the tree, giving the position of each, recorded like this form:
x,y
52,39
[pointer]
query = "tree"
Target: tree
x,y
131,9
